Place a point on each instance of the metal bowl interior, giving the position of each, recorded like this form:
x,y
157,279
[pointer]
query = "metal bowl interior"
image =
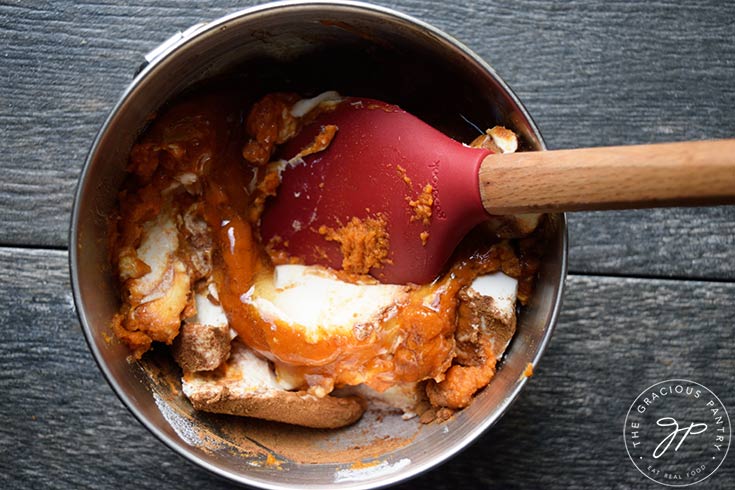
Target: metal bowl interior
x,y
306,47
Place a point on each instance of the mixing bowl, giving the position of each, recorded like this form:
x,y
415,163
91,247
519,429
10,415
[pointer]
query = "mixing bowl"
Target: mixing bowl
x,y
307,47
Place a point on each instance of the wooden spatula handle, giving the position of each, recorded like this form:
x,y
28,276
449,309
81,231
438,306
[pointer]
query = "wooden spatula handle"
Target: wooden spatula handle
x,y
617,177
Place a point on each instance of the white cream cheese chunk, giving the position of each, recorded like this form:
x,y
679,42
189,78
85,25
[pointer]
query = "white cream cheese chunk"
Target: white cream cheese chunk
x,y
207,313
501,288
246,372
402,397
317,302
305,106
493,300
157,248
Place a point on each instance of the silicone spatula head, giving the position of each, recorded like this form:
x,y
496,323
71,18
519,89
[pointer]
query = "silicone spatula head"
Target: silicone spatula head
x,y
390,195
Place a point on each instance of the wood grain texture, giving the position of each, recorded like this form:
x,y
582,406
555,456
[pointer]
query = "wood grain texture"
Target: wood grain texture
x,y
591,73
694,243
609,177
62,427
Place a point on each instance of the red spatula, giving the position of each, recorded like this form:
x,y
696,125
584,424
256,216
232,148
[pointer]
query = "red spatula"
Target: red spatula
x,y
383,158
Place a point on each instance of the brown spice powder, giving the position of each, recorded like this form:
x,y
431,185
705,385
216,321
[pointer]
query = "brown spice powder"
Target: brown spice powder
x,y
369,438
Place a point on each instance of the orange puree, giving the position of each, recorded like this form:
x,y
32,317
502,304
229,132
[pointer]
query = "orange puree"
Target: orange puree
x,y
411,342
422,205
364,243
321,142
269,123
202,160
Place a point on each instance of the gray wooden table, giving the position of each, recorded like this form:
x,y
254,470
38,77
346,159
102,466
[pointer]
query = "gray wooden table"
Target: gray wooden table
x,y
650,294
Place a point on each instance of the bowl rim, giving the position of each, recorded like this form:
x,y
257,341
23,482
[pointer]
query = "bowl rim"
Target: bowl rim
x,y
412,470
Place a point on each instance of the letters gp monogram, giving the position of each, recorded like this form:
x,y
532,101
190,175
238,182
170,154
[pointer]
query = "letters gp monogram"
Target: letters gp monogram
x,y
677,432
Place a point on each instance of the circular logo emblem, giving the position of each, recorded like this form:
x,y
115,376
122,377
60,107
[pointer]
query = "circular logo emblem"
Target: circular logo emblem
x,y
677,432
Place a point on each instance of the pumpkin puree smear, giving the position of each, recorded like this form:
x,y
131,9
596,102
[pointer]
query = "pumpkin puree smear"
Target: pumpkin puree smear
x,y
421,206
187,230
364,243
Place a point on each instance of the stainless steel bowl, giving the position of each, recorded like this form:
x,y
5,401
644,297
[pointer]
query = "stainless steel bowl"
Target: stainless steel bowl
x,y
357,49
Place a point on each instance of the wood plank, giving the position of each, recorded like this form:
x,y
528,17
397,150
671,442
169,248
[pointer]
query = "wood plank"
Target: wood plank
x,y
61,425
677,242
591,73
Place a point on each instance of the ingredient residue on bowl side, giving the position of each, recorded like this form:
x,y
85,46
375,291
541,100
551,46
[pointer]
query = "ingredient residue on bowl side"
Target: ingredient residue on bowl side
x,y
257,332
